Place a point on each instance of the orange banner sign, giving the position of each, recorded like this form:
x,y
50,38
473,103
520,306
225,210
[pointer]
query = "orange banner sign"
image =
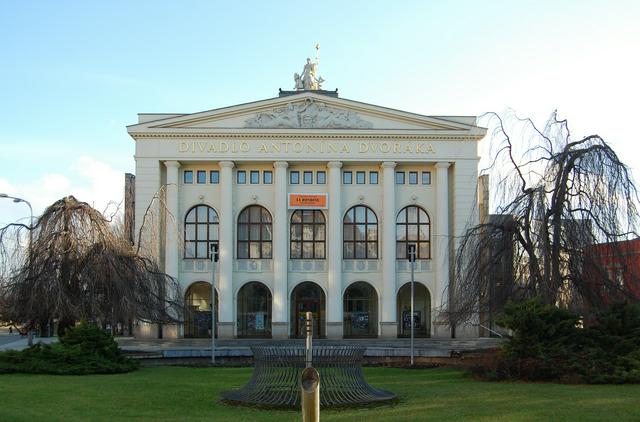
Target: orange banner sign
x,y
308,200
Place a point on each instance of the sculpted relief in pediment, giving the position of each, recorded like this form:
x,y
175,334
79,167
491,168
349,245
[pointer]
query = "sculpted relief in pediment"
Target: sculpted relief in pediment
x,y
308,115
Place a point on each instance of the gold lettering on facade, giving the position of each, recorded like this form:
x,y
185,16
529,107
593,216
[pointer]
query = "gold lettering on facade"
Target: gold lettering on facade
x,y
301,147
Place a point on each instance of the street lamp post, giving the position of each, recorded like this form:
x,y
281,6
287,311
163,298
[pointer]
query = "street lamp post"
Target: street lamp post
x,y
214,259
411,255
29,249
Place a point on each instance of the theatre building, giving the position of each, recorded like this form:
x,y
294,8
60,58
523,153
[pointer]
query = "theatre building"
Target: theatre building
x,y
312,200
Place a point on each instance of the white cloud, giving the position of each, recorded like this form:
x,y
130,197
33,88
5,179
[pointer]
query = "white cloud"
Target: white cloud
x,y
86,178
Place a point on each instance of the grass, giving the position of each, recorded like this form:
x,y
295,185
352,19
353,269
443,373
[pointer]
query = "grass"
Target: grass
x,y
191,394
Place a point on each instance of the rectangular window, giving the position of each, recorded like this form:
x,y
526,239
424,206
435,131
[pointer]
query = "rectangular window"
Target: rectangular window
x,y
373,177
188,176
360,177
399,177
241,177
426,177
267,177
254,177
321,177
202,176
214,177
347,177
308,177
294,177
413,177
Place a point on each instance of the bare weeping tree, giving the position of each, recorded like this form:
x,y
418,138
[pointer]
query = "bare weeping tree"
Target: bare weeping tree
x,y
79,267
554,197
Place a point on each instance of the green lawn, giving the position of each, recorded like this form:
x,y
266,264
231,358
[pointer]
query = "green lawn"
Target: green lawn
x,y
174,394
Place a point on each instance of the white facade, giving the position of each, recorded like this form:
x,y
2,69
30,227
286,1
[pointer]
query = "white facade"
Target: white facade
x,y
308,132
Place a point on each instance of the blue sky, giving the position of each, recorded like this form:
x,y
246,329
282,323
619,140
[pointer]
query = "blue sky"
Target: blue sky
x,y
74,74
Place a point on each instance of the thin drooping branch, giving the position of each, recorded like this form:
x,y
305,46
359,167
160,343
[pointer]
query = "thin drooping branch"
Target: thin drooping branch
x,y
554,199
78,267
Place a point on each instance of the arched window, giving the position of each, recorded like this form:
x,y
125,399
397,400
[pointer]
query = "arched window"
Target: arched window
x,y
307,235
200,232
254,233
360,233
413,228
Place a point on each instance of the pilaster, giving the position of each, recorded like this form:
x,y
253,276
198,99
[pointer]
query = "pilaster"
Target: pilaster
x,y
388,323
280,271
225,258
441,328
334,252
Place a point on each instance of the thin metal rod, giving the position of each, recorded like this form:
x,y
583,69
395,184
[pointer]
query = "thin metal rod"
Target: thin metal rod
x,y
309,341
213,308
412,304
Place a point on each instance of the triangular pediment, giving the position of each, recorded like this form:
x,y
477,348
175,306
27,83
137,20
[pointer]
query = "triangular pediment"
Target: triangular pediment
x,y
304,110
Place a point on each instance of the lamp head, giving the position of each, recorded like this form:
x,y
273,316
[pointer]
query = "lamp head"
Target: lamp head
x,y
3,195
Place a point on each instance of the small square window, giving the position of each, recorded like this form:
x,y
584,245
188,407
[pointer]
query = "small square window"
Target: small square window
x,y
254,177
294,177
399,177
242,177
347,177
202,176
267,177
188,176
413,177
360,177
307,177
426,177
373,177
321,177
214,177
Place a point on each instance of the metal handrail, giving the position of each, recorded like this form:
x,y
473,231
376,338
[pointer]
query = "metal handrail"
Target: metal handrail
x,y
486,328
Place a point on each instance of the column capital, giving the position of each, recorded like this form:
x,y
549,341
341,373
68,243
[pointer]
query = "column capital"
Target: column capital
x,y
334,164
388,165
280,164
172,164
442,165
226,164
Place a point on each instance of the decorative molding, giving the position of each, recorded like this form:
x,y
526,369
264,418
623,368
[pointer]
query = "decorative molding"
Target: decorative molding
x,y
308,115
301,135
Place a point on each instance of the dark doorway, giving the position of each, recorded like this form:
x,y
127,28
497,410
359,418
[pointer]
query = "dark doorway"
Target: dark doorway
x,y
254,310
307,297
421,311
360,311
197,312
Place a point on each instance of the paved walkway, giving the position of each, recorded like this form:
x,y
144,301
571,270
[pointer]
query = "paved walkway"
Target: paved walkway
x,y
16,342
241,347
